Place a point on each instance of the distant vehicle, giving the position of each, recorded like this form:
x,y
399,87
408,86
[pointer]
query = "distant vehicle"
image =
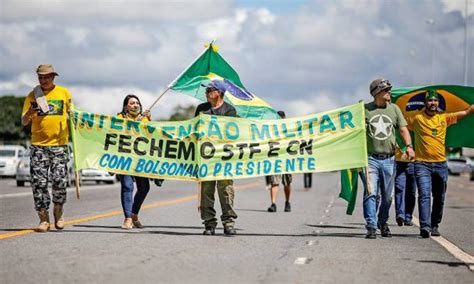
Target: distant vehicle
x,y
457,166
471,175
98,176
9,158
23,170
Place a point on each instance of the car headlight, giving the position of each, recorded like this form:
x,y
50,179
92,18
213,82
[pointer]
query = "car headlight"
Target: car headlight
x,y
23,165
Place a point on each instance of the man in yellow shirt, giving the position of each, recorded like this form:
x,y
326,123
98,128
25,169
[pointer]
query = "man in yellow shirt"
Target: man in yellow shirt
x,y
47,108
431,170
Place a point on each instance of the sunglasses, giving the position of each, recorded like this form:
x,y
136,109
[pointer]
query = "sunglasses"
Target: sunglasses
x,y
382,85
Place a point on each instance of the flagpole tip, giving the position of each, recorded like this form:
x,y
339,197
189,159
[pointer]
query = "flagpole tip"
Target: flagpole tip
x,y
214,47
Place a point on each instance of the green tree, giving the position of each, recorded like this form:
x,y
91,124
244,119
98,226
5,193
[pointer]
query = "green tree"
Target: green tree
x,y
183,112
10,119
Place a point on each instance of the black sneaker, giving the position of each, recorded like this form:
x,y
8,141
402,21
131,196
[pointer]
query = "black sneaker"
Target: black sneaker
x,y
229,231
287,206
435,231
272,208
424,234
385,231
408,223
209,231
371,233
400,221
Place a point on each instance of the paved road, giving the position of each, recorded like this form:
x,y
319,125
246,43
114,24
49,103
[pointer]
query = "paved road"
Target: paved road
x,y
316,242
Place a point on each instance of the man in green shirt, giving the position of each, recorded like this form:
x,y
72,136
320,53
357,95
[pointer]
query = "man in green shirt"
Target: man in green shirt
x,y
382,118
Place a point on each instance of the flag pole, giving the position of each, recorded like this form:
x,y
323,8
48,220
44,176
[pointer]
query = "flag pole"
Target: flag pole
x,y
74,151
159,97
180,74
199,196
367,182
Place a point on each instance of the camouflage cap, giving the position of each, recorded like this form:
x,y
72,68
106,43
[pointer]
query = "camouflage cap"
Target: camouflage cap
x,y
431,95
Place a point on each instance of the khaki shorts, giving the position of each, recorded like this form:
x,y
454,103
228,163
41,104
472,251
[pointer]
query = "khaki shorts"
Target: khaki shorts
x,y
286,179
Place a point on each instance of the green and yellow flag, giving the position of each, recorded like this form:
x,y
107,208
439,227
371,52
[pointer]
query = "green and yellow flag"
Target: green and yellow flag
x,y
349,186
211,67
451,99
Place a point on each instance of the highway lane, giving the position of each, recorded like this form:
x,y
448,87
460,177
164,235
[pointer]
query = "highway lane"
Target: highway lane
x,y
314,242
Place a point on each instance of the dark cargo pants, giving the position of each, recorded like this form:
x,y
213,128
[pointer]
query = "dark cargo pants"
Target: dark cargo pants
x,y
225,190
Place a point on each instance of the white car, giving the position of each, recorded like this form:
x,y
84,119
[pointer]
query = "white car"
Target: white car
x,y
23,170
10,156
457,166
98,176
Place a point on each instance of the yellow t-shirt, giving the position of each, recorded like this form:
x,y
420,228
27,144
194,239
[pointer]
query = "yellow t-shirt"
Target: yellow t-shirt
x,y
430,135
50,129
127,116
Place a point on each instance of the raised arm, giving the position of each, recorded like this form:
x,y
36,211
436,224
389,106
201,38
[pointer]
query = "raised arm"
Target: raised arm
x,y
462,114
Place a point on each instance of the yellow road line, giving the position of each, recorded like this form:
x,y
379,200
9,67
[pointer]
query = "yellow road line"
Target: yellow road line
x,y
118,212
451,248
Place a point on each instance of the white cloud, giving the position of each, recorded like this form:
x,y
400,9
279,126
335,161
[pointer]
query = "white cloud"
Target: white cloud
x,y
319,56
385,31
78,36
265,16
458,6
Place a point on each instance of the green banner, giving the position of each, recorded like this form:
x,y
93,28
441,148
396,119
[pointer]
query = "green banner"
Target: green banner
x,y
211,147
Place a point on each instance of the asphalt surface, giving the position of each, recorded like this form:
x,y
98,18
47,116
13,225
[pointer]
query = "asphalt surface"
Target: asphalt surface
x,y
316,242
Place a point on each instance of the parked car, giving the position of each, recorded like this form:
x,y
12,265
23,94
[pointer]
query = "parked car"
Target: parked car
x,y
98,176
10,156
457,166
23,170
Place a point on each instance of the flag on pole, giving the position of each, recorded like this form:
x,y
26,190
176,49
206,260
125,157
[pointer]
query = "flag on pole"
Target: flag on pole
x,y
210,66
451,99
349,185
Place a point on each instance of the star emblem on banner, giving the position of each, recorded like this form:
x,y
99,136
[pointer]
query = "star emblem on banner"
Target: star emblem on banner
x,y
381,127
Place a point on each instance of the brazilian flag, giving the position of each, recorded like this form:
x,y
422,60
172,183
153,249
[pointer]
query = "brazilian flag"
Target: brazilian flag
x,y
452,98
349,186
211,67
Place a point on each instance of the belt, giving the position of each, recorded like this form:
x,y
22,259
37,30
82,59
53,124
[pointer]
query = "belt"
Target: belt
x,y
381,156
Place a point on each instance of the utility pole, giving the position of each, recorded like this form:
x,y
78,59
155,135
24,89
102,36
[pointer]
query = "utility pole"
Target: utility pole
x,y
466,45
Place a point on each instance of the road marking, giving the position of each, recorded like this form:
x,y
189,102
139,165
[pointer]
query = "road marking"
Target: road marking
x,y
70,189
311,242
302,260
451,248
119,212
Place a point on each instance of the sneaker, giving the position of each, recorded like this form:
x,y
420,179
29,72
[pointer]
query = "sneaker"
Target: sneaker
x,y
287,206
385,231
127,224
136,223
272,208
400,221
408,223
435,231
424,234
209,231
371,233
229,230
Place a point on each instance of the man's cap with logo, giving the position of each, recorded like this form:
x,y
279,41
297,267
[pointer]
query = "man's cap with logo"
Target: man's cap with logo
x,y
45,69
379,85
213,85
431,95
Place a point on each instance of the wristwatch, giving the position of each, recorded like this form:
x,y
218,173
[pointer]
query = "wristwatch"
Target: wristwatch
x,y
410,145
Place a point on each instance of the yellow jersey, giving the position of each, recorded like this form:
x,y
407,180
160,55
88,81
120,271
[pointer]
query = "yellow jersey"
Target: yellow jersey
x,y
128,116
430,135
51,128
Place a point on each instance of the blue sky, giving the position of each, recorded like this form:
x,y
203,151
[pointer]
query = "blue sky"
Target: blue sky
x,y
299,56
